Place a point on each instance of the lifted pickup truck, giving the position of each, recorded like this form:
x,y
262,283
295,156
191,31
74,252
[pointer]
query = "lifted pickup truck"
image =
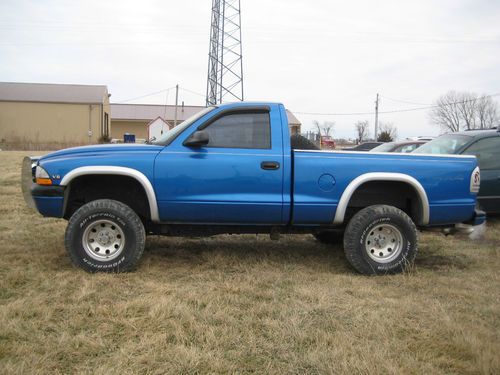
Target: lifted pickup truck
x,y
232,169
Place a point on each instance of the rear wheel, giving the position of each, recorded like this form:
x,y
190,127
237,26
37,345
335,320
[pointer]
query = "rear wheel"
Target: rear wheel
x,y
380,239
105,235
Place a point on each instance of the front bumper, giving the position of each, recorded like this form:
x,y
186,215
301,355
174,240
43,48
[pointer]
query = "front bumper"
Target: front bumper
x,y
48,200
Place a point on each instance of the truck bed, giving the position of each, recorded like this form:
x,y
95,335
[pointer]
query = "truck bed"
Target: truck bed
x,y
322,177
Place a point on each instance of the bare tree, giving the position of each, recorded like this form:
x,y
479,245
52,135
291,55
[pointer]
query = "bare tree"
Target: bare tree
x,y
447,114
468,109
388,132
487,113
362,130
325,128
457,111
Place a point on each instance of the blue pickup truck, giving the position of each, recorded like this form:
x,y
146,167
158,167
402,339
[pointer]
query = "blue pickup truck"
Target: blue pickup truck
x,y
232,169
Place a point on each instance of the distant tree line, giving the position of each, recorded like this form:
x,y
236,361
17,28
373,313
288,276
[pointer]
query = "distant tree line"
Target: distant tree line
x,y
455,111
388,132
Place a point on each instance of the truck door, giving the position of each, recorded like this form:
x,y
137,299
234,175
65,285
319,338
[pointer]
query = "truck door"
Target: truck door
x,y
236,178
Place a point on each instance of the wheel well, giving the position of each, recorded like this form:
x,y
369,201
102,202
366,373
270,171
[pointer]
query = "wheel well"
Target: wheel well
x,y
392,193
125,189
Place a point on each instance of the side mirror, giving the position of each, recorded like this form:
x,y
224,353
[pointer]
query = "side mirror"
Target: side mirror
x,y
198,139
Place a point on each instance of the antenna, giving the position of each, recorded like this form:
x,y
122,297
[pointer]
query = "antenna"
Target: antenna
x,y
225,63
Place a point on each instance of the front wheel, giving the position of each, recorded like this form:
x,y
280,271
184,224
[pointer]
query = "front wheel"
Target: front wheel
x,y
105,236
380,239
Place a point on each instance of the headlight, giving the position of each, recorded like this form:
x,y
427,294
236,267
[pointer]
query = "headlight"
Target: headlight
x,y
42,177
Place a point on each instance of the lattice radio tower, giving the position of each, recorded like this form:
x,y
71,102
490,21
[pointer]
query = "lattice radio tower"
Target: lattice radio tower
x,y
225,63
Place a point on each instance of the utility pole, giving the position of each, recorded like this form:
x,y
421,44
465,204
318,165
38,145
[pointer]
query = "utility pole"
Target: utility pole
x,y
376,118
176,103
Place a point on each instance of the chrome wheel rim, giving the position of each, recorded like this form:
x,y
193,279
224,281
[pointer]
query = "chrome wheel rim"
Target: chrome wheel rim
x,y
384,243
103,240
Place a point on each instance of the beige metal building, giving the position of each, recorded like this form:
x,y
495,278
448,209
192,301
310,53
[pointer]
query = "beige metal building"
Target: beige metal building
x,y
135,118
41,116
52,116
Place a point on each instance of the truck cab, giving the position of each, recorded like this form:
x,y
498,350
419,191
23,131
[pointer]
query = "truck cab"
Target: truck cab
x,y
232,162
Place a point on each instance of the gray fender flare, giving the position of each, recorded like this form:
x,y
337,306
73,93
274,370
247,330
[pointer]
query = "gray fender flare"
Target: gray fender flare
x,y
122,171
382,176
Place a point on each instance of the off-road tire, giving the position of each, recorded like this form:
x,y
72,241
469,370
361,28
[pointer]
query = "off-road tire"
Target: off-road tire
x,y
333,237
359,232
127,227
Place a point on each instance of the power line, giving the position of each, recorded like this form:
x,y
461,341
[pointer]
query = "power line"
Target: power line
x,y
167,90
403,101
146,95
191,91
9,24
393,111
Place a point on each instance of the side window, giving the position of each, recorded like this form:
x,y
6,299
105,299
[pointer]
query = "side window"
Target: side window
x,y
240,130
487,152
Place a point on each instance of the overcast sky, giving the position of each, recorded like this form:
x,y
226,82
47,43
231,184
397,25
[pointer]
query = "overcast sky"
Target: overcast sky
x,y
315,56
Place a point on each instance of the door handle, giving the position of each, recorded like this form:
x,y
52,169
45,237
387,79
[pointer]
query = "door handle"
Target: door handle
x,y
270,165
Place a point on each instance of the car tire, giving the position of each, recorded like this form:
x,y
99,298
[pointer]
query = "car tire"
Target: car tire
x,y
380,239
334,237
105,236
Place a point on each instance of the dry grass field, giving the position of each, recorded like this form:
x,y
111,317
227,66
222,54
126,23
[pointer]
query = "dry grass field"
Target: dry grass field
x,y
241,304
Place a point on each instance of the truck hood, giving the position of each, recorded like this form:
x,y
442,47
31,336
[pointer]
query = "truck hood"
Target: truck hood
x,y
102,150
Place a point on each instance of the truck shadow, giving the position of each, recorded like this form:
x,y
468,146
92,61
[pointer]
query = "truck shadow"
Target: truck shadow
x,y
238,251
436,262
246,251
241,252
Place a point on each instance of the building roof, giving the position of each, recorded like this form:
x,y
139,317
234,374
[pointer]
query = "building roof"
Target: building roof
x,y
156,119
139,112
52,93
142,112
292,120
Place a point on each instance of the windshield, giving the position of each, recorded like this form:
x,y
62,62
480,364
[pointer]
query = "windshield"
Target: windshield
x,y
446,144
169,136
384,147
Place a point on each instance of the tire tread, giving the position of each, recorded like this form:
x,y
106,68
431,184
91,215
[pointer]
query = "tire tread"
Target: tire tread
x,y
359,222
125,212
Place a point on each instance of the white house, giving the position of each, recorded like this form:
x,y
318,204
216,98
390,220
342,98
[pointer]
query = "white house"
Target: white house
x,y
157,127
